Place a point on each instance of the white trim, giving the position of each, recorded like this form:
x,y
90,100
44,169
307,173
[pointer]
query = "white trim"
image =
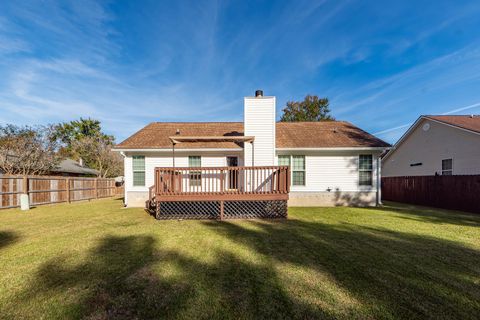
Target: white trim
x,y
335,149
241,149
180,150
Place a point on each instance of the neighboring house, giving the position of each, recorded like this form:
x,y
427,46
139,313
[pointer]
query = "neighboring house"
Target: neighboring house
x,y
331,162
436,145
72,168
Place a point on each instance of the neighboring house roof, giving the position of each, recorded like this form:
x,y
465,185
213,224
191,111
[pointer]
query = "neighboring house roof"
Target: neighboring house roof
x,y
469,122
465,122
71,166
322,134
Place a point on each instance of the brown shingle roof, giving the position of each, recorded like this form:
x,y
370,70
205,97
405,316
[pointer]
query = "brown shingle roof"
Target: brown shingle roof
x,y
323,134
466,122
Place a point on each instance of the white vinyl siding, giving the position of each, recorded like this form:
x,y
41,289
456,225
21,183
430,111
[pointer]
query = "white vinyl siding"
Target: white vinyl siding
x,y
334,171
158,159
259,121
138,168
430,147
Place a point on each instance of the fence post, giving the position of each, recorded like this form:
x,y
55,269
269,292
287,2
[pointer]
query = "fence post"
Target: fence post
x,y
96,188
67,182
25,198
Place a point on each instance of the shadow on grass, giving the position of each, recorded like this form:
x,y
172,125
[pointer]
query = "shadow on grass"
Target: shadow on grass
x,y
431,215
7,238
390,274
120,279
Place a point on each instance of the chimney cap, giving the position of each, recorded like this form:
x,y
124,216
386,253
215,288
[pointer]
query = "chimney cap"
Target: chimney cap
x,y
258,93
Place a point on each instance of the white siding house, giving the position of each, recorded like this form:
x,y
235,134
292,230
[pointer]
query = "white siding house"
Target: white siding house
x,y
331,163
436,145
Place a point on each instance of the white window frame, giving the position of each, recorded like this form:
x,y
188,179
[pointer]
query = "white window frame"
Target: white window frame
x,y
290,165
195,177
447,170
138,171
371,170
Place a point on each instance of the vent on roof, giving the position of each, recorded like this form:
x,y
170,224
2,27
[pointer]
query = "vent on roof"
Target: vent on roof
x,y
258,93
178,132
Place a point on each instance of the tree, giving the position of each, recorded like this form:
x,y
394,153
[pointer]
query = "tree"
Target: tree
x,y
84,139
312,108
97,153
27,150
68,133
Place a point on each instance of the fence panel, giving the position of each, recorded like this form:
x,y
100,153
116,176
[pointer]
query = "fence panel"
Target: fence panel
x,y
449,192
54,189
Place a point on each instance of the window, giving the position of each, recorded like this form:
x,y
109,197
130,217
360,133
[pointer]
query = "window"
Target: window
x,y
297,165
195,176
298,170
284,160
447,167
138,164
365,170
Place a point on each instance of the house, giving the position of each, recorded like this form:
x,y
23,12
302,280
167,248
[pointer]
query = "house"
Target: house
x,y
72,168
309,163
436,145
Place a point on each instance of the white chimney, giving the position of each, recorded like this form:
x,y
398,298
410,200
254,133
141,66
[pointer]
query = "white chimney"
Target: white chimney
x,y
259,121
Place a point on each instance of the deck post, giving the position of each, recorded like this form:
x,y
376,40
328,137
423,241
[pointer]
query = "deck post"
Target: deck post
x,y
222,181
221,209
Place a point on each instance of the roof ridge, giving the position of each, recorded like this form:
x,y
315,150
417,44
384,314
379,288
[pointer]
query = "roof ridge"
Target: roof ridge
x,y
197,122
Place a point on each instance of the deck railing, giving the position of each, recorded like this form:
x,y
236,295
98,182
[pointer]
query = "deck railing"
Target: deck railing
x,y
211,183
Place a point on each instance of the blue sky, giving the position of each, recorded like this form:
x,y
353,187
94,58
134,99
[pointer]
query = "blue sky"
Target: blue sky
x,y
128,63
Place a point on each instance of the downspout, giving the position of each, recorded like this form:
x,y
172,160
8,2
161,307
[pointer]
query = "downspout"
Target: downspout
x,y
125,193
173,153
379,181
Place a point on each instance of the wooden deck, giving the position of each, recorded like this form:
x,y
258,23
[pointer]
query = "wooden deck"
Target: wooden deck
x,y
260,189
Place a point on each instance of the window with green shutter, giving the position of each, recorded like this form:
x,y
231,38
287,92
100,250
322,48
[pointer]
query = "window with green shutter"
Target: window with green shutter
x,y
138,164
195,176
365,170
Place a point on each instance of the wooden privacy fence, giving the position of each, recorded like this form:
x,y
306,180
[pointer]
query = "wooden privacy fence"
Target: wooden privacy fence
x,y
53,189
448,192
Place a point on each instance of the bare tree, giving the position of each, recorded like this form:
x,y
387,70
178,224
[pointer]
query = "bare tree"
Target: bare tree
x,y
27,150
97,153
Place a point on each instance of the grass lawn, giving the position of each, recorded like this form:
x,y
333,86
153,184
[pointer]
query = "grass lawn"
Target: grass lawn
x,y
96,260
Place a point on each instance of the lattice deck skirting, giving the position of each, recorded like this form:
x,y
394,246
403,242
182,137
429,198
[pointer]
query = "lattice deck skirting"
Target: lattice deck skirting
x,y
220,209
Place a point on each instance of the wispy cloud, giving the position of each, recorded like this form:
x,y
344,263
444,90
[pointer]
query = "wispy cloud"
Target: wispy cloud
x,y
130,63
